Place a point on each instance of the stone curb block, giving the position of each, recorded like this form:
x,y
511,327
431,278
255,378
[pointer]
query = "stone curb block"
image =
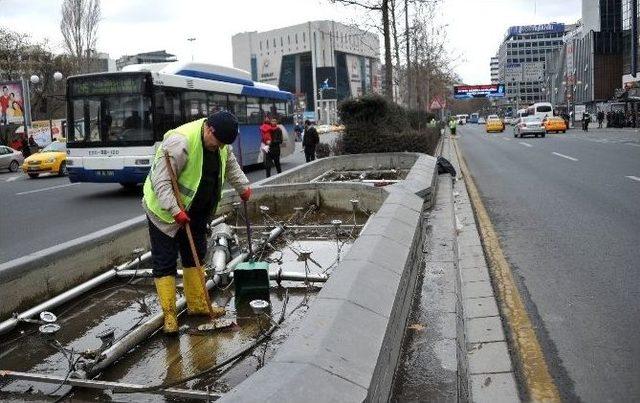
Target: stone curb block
x,y
41,275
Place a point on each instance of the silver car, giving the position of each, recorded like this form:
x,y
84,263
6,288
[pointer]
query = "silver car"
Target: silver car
x,y
529,125
10,159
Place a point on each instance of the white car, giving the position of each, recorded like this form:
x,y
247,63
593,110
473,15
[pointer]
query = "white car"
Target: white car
x,y
481,121
529,125
10,159
493,117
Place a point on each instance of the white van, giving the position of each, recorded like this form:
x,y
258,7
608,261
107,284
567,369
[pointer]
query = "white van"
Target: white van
x,y
540,110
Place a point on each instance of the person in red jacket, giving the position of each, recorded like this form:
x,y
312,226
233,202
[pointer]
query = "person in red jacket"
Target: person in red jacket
x,y
265,135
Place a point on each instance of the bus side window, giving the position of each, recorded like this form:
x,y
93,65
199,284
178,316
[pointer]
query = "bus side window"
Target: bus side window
x,y
217,102
195,105
254,111
168,116
238,106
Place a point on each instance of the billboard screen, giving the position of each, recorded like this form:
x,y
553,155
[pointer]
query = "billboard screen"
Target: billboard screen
x,y
478,91
530,29
11,102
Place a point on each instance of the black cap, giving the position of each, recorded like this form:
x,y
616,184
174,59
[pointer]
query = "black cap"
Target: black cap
x,y
225,126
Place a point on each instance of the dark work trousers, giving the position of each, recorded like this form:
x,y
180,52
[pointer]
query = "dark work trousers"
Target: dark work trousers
x,y
310,153
272,158
164,249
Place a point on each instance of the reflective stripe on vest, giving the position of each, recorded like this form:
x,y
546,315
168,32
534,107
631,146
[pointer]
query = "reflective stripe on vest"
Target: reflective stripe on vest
x,y
189,178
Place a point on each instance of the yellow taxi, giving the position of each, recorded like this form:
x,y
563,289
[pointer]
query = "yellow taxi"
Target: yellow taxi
x,y
554,124
494,125
52,159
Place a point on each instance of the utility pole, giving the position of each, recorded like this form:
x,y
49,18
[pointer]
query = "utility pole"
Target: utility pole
x,y
191,40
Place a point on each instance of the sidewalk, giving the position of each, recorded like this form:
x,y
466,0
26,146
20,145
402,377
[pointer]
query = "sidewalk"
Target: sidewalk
x,y
455,347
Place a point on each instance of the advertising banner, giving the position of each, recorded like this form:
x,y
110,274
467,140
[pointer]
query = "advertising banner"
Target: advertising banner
x,y
533,71
478,91
570,68
355,77
12,102
513,72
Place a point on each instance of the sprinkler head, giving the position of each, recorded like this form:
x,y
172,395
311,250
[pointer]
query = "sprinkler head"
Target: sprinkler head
x,y
49,328
47,317
137,252
259,306
304,255
336,223
298,209
354,203
264,209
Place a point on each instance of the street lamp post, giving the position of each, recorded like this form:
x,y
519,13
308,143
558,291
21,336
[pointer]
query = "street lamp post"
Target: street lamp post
x,y
57,77
191,40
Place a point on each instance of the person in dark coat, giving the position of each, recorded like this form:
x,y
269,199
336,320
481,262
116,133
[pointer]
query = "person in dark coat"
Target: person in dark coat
x,y
26,151
274,147
310,141
600,117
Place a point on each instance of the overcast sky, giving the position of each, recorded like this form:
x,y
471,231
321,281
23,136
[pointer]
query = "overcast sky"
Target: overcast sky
x,y
475,27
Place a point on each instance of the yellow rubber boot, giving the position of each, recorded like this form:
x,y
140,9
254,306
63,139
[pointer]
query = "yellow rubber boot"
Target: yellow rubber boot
x,y
166,288
194,292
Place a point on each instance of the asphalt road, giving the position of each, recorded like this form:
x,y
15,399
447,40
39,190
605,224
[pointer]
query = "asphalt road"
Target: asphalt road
x,y
43,212
567,210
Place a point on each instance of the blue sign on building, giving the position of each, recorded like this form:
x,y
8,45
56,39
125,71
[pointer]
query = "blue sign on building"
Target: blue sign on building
x,y
539,28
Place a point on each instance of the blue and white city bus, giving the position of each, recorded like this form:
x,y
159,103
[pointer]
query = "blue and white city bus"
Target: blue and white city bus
x,y
116,120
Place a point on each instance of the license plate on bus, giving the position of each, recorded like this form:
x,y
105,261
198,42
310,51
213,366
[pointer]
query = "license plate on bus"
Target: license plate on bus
x,y
103,172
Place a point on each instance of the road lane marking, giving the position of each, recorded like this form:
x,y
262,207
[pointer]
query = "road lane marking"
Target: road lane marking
x,y
12,178
44,189
539,384
525,144
635,178
565,156
633,144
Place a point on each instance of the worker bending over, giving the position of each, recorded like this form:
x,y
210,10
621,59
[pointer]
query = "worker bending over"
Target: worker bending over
x,y
203,160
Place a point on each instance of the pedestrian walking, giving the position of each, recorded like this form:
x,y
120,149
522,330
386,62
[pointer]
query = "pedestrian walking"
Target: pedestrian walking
x,y
586,119
310,141
600,117
26,150
265,145
200,155
273,155
453,124
298,131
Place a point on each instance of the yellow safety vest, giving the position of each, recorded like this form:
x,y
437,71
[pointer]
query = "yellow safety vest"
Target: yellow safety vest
x,y
189,178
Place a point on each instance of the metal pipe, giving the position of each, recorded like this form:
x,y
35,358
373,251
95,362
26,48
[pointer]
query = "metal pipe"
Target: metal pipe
x,y
218,220
277,276
107,385
152,325
377,181
68,295
314,226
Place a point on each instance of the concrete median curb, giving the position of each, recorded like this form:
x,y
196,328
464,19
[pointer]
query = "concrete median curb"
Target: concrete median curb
x,y
43,274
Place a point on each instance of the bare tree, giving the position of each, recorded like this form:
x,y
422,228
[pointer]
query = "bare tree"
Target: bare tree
x,y
79,26
381,6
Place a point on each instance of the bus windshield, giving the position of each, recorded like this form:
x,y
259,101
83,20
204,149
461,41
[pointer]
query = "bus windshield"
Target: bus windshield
x,y
109,111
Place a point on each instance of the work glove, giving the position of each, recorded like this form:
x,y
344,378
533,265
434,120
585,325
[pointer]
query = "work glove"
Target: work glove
x,y
246,195
182,218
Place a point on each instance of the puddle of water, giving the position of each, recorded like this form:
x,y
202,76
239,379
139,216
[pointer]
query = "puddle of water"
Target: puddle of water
x,y
164,359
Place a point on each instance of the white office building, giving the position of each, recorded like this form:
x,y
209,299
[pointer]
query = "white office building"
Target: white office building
x,y
494,67
321,62
522,57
